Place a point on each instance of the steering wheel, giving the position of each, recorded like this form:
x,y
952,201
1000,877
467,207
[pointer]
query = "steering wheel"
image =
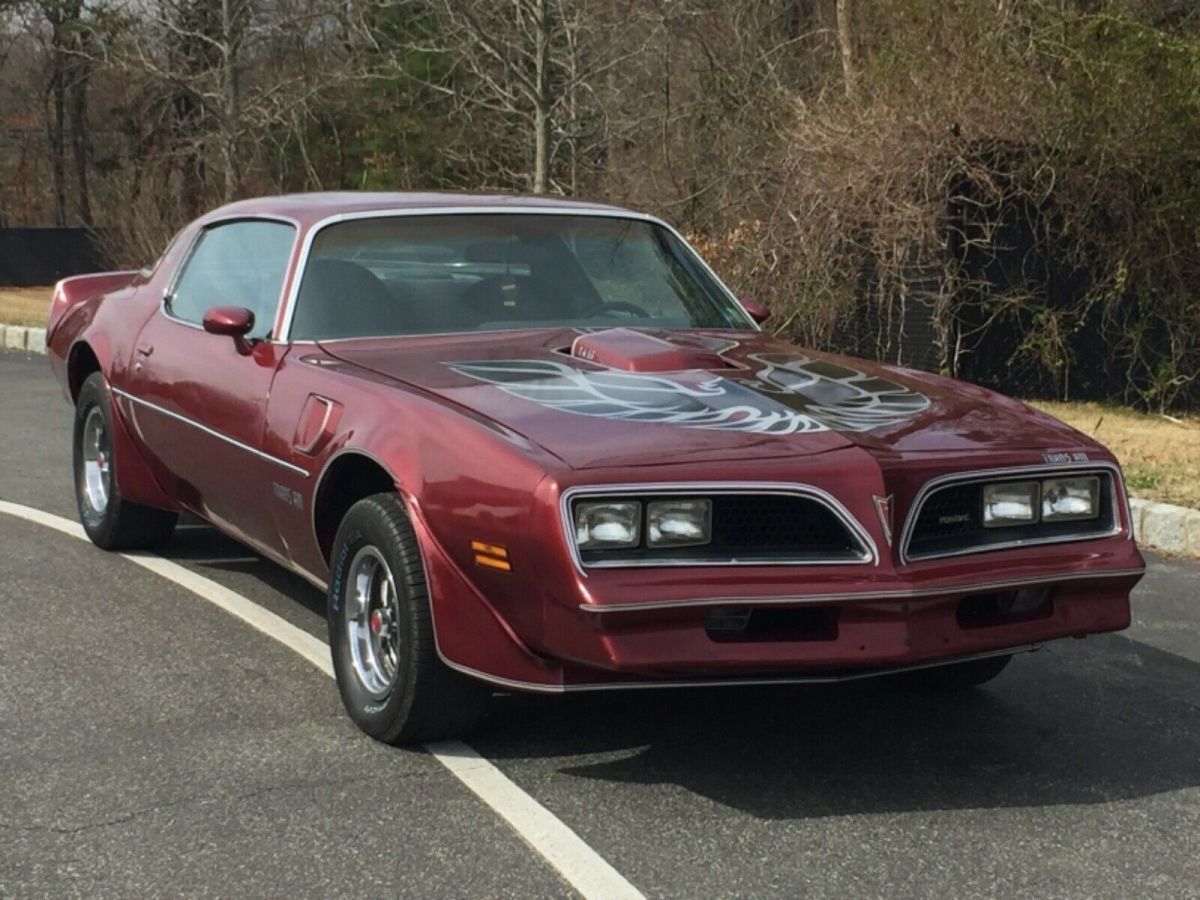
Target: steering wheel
x,y
616,306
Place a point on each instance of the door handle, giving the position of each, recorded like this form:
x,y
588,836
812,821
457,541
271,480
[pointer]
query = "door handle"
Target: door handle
x,y
145,350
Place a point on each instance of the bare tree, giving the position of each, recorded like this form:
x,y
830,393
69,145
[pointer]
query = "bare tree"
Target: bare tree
x,y
848,47
229,72
64,23
533,61
66,29
81,138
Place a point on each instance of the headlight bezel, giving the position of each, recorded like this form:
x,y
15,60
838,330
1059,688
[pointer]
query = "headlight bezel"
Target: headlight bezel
x,y
1094,499
839,540
1035,501
921,539
633,509
655,539
1032,500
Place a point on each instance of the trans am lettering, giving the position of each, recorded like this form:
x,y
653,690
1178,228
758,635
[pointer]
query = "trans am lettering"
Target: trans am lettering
x,y
790,395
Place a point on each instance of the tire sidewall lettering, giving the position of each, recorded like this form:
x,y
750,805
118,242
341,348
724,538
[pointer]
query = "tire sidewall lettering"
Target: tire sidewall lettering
x,y
336,589
350,541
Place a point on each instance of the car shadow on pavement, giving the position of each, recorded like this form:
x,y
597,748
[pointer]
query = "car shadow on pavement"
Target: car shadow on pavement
x,y
204,548
1080,722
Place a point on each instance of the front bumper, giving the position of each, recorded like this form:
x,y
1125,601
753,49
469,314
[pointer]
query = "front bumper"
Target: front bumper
x,y
817,634
552,625
629,628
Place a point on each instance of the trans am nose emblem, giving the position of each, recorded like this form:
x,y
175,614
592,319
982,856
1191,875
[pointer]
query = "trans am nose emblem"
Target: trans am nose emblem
x,y
887,515
789,395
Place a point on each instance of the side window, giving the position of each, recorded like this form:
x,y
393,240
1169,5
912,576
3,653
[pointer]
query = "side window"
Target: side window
x,y
235,264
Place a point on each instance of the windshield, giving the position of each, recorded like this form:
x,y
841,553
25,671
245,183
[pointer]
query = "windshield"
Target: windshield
x,y
434,274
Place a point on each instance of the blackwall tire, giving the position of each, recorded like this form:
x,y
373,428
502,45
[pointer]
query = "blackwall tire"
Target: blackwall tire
x,y
956,676
391,680
111,521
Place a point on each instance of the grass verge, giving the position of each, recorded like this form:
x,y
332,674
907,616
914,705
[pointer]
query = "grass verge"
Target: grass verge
x,y
24,305
1160,456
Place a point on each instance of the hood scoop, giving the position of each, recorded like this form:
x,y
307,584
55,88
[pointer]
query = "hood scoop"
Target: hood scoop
x,y
636,351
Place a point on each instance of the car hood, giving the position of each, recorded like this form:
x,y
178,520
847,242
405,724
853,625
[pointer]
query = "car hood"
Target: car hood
x,y
619,397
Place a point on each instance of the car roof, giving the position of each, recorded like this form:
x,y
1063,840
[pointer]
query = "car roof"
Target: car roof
x,y
312,207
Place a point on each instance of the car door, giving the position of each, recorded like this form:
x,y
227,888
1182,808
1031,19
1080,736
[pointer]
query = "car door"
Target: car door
x,y
199,399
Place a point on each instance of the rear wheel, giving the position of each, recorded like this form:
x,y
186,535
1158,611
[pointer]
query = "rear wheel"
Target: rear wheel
x,y
392,682
956,676
111,521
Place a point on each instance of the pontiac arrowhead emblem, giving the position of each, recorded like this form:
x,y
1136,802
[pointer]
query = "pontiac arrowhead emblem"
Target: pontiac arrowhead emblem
x,y
883,506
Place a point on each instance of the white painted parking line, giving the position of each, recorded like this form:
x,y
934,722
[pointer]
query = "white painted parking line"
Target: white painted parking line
x,y
582,867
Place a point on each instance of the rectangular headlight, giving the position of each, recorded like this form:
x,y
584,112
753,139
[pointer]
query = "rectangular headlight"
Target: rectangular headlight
x,y
602,524
1010,503
1068,499
678,523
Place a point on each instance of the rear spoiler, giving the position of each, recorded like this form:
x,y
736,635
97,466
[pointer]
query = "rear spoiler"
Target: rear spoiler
x,y
73,291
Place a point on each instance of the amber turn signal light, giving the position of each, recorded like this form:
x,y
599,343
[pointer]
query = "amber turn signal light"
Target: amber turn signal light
x,y
491,556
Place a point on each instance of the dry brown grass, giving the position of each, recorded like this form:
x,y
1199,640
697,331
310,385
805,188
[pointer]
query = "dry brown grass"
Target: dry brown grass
x,y
24,305
1161,457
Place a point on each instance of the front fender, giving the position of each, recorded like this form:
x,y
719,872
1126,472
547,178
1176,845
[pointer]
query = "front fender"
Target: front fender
x,y
470,633
468,484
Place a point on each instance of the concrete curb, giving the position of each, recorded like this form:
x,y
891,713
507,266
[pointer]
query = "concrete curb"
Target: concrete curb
x,y
22,337
1161,526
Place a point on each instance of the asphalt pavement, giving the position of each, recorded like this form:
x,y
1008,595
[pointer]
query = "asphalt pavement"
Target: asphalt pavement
x,y
151,745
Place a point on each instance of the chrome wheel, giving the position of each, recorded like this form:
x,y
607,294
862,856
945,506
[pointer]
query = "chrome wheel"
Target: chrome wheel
x,y
97,462
373,620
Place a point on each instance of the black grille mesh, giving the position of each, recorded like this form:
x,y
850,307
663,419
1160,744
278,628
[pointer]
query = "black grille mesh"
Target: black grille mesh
x,y
781,524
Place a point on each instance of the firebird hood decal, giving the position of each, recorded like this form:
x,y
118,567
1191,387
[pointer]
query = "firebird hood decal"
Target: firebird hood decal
x,y
789,395
842,398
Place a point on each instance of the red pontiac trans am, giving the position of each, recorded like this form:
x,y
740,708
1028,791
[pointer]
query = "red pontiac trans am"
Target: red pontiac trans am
x,y
538,445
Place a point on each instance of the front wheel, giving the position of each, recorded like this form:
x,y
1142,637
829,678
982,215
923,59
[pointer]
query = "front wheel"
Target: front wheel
x,y
392,682
956,676
111,521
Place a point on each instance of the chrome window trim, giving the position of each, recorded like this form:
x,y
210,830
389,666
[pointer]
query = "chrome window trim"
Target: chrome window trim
x,y
211,431
285,331
194,245
1120,502
415,336
870,555
748,681
914,593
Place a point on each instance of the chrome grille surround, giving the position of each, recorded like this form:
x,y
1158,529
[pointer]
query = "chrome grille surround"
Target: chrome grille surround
x,y
867,554
1118,498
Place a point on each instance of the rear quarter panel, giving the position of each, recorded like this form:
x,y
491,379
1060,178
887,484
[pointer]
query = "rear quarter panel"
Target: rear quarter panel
x,y
103,314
